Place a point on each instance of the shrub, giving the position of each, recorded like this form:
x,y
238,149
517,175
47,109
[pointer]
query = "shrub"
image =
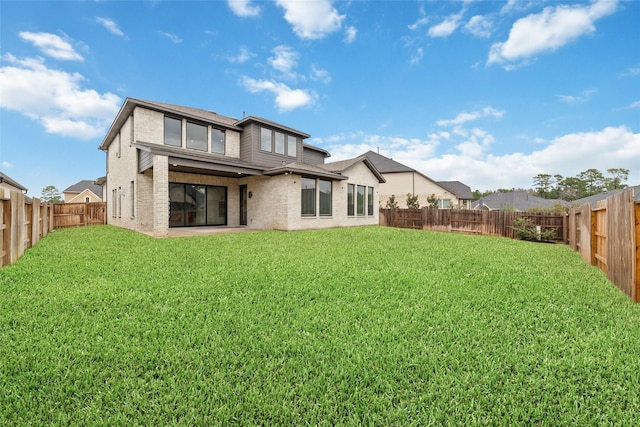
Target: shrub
x,y
391,203
412,201
526,230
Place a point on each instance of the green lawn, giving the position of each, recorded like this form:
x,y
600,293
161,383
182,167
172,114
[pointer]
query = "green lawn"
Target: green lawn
x,y
360,326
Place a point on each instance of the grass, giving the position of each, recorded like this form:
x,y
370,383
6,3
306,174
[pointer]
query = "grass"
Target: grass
x,y
361,326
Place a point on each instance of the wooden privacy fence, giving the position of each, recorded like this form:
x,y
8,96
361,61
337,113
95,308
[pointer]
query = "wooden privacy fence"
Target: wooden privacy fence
x,y
492,223
608,236
79,214
24,222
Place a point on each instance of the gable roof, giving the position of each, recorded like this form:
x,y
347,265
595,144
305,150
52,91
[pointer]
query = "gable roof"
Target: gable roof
x,y
189,112
267,122
519,200
11,182
343,165
304,169
85,184
385,164
461,190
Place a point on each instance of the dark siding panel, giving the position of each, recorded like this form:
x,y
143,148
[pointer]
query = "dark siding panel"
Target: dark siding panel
x,y
247,143
312,157
145,161
250,147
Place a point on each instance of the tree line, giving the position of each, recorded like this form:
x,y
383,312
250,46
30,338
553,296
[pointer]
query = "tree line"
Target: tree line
x,y
584,184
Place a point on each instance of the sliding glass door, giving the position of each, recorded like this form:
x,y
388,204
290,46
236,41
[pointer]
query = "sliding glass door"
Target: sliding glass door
x,y
193,205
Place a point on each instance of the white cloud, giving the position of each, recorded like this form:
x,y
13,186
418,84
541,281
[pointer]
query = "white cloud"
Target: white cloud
x,y
243,56
634,105
575,99
631,72
467,117
287,99
172,37
446,27
311,19
548,30
351,33
243,8
472,163
110,25
284,60
479,26
52,45
419,23
417,56
55,98
6,165
320,74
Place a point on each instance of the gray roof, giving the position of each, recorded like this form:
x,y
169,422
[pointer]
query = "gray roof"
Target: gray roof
x,y
385,164
593,200
518,200
461,190
304,169
261,120
85,184
11,182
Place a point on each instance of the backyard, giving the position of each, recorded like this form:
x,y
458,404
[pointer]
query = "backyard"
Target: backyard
x,y
355,326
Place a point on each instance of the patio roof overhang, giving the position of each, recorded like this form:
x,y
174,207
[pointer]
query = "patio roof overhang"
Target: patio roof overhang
x,y
192,161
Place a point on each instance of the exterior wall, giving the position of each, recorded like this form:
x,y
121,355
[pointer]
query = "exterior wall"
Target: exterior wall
x,y
123,167
312,157
149,126
160,196
399,184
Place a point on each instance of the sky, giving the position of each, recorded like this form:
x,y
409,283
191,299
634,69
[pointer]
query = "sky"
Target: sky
x,y
489,93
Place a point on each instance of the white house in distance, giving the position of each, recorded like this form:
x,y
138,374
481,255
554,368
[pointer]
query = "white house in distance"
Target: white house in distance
x,y
401,179
175,166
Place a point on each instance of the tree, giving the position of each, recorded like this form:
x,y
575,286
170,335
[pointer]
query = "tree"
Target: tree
x,y
51,194
432,201
593,180
542,184
391,203
412,201
618,176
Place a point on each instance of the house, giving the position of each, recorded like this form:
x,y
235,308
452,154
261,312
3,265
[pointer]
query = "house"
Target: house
x,y
7,183
175,166
401,179
85,191
593,200
515,200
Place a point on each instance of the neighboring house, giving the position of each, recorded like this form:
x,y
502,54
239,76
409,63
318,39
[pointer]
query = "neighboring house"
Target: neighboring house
x,y
515,200
10,184
174,166
401,179
593,200
85,191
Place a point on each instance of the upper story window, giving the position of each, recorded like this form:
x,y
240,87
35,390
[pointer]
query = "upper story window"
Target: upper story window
x,y
196,136
279,143
217,141
173,131
265,139
291,146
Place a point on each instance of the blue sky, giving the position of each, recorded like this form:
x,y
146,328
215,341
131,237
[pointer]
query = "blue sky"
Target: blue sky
x,y
490,93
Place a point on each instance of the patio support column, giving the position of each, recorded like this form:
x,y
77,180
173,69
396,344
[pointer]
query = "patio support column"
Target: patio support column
x,y
160,196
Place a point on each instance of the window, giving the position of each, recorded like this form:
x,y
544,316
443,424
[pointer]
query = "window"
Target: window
x,y
192,205
291,146
119,202
119,152
279,143
196,136
217,141
350,194
308,197
172,131
265,139
360,200
445,203
369,200
87,199
114,202
132,198
325,197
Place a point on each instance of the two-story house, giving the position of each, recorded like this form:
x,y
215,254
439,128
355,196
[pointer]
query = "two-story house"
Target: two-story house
x,y
174,166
